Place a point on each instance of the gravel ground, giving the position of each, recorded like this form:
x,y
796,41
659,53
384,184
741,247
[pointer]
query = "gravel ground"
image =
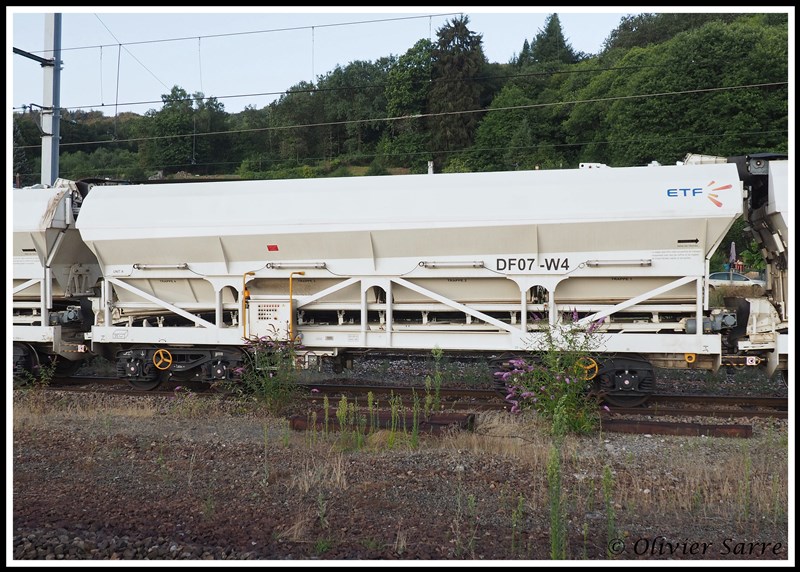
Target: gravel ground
x,y
122,478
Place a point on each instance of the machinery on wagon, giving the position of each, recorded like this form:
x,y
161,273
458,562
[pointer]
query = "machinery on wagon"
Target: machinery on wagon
x,y
471,263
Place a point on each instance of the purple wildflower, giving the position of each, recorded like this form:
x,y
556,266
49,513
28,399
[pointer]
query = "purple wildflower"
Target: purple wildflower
x,y
594,325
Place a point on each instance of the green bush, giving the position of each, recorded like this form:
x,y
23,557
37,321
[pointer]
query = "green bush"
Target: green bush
x,y
553,380
270,374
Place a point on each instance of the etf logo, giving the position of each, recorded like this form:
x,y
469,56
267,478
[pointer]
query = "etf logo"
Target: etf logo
x,y
710,192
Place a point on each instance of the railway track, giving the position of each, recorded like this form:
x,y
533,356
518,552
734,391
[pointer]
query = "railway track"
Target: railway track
x,y
465,399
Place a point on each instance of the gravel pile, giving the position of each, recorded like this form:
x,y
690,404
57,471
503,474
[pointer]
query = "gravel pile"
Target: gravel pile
x,y
83,544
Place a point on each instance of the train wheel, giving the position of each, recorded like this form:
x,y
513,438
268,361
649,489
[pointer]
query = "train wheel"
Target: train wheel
x,y
625,381
145,384
141,374
625,400
26,365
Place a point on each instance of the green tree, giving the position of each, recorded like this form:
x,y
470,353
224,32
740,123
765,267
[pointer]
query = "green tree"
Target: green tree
x,y
746,248
168,147
211,144
494,149
458,59
354,96
188,133
615,127
105,162
405,142
585,125
408,82
253,142
23,169
291,116
752,257
550,45
524,58
642,30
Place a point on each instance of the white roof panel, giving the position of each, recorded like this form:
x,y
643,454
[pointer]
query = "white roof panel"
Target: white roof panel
x,y
411,201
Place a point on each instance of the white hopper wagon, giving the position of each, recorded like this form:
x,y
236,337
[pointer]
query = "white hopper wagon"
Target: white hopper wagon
x,y
54,274
473,262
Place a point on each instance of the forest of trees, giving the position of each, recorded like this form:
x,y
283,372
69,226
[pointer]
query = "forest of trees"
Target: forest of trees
x,y
663,85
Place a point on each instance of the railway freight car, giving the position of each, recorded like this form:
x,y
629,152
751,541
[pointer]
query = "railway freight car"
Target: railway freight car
x,y
54,274
471,263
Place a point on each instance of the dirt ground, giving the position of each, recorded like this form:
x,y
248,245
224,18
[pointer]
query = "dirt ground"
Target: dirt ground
x,y
116,478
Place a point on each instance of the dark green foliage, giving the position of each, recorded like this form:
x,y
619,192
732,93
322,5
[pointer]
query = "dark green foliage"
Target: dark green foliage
x,y
170,146
550,46
270,374
746,248
407,85
405,140
342,171
719,122
354,97
376,168
458,60
405,150
641,30
102,163
23,168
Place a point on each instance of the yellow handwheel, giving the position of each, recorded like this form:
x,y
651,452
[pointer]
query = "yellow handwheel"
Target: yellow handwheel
x,y
162,359
690,358
590,367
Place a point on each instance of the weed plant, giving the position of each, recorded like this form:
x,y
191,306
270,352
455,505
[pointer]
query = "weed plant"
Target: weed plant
x,y
517,515
557,377
611,523
433,384
270,374
558,525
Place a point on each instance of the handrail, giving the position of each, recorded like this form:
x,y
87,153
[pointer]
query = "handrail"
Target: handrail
x,y
245,297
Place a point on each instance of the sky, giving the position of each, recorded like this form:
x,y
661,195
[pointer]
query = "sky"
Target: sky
x,y
240,54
